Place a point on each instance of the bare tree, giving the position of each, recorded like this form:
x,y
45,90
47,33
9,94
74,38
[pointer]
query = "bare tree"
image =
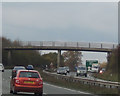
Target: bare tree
x,y
72,59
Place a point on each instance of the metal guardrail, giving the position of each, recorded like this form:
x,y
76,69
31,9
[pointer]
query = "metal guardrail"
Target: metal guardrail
x,y
68,44
86,81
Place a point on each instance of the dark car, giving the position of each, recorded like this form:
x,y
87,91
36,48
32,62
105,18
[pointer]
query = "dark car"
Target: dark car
x,y
15,69
30,67
27,81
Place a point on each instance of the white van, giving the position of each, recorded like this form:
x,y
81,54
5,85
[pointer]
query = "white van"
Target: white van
x,y
1,67
95,68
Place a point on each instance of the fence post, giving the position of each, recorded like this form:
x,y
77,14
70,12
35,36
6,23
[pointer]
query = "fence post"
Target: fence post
x,y
77,44
101,45
65,44
89,45
41,43
53,43
113,46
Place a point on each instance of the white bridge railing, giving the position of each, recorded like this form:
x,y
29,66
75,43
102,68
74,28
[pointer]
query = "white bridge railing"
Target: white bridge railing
x,y
68,44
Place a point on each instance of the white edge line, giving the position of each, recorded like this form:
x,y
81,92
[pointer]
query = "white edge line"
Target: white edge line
x,y
44,93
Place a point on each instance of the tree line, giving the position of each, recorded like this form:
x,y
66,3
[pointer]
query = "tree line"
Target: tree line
x,y
114,61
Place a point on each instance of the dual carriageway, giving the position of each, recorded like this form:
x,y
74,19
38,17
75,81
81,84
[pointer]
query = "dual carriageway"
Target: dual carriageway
x,y
60,46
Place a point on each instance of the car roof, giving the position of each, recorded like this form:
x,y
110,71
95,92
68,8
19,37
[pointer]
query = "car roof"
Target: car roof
x,y
28,70
18,66
30,66
1,64
81,66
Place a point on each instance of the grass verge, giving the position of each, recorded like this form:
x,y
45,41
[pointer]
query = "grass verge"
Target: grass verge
x,y
78,86
107,76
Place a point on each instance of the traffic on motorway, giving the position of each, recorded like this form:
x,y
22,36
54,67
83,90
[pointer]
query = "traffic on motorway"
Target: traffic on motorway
x,y
91,66
48,89
29,80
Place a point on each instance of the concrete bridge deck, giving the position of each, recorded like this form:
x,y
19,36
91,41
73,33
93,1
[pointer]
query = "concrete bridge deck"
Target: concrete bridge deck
x,y
66,46
58,48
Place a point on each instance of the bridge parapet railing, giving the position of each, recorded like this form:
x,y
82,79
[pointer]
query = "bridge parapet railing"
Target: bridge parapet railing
x,y
83,44
110,46
69,44
59,43
103,45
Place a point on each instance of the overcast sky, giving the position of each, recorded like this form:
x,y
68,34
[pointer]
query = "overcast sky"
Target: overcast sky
x,y
88,22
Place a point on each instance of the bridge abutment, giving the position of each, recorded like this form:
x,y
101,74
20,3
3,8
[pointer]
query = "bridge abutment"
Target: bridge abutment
x,y
108,56
59,58
9,57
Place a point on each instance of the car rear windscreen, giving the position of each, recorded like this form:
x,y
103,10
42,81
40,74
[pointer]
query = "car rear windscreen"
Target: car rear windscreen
x,y
81,68
19,68
29,74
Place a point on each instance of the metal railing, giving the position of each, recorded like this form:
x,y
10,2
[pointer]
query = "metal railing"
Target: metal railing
x,y
91,82
68,44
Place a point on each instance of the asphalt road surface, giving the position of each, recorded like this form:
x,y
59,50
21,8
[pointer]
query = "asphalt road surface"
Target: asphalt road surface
x,y
48,89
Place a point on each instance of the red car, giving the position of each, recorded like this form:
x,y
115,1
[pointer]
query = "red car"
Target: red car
x,y
27,81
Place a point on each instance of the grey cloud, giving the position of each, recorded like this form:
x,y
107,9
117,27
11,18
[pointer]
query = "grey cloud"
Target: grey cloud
x,y
61,19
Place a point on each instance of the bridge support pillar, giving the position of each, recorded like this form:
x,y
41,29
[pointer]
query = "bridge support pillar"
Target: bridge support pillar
x,y
108,57
9,57
59,58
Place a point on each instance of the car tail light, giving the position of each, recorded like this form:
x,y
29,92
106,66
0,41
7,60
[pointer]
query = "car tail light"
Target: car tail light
x,y
14,70
17,81
41,82
101,71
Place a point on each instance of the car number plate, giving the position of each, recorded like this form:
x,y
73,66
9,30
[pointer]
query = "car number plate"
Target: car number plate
x,y
29,82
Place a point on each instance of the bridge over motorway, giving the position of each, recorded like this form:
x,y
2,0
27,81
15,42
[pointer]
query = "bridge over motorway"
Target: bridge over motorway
x,y
62,46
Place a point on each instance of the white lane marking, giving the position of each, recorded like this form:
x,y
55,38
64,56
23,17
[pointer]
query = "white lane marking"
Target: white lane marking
x,y
29,93
67,89
44,93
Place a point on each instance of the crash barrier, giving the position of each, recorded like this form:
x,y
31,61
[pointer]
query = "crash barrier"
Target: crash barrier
x,y
94,82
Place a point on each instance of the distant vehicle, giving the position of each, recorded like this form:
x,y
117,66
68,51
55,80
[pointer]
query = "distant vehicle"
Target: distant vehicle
x,y
67,69
89,64
61,70
27,81
15,69
1,67
102,70
46,68
95,68
82,71
30,67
